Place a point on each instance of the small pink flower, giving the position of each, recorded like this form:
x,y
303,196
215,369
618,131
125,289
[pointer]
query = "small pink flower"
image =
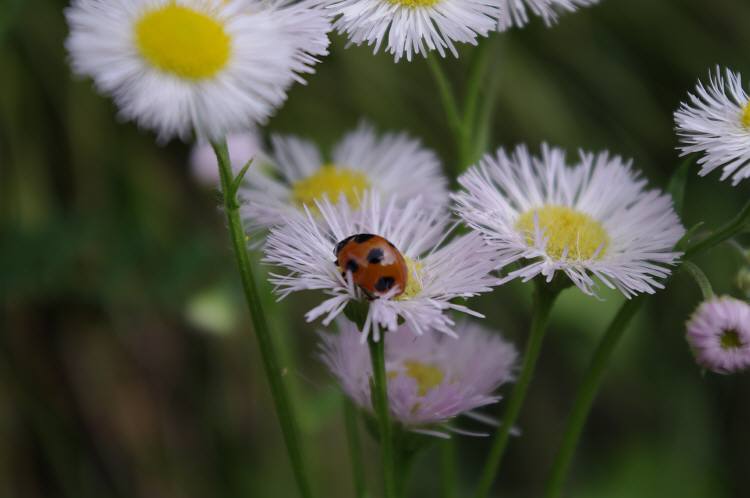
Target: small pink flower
x,y
719,335
432,378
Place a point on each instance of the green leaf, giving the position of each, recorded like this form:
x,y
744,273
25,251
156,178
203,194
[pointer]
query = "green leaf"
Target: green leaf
x,y
240,176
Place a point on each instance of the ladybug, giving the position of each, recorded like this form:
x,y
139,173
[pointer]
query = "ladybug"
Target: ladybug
x,y
376,265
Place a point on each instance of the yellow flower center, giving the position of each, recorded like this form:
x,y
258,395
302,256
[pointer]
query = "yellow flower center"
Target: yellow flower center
x,y
746,116
730,339
330,181
427,375
413,280
183,42
582,236
414,3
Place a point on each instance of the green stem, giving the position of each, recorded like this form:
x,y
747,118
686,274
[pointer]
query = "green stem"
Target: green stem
x,y
252,297
544,298
379,394
587,393
355,449
726,232
477,73
448,468
452,113
700,278
450,105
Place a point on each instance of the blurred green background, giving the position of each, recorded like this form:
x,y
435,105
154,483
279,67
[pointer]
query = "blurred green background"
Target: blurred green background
x,y
127,367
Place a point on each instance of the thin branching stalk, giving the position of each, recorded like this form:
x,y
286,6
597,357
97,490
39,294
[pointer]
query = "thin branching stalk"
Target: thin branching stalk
x,y
477,74
544,298
285,414
735,226
452,114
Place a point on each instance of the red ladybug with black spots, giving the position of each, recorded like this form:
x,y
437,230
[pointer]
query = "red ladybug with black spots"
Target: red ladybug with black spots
x,y
376,265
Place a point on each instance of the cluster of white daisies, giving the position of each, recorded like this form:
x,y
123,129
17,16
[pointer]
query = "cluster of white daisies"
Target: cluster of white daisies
x,y
211,69
590,217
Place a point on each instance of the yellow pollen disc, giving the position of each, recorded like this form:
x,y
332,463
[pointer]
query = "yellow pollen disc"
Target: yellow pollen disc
x,y
730,339
428,376
414,3
568,229
182,41
330,181
746,116
413,280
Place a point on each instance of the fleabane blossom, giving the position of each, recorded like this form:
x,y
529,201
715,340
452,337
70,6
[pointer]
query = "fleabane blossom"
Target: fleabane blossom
x,y
517,13
393,165
410,27
195,67
715,122
432,378
438,272
719,335
592,219
242,147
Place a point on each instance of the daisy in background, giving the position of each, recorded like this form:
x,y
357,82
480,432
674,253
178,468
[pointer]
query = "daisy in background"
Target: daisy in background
x,y
719,335
716,123
432,378
243,147
409,27
516,12
392,164
593,219
437,273
203,67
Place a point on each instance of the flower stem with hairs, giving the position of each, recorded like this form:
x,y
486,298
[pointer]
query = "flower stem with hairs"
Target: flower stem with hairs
x,y
229,185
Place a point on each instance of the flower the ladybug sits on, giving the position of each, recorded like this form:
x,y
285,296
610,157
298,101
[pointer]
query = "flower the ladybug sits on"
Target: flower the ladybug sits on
x,y
437,272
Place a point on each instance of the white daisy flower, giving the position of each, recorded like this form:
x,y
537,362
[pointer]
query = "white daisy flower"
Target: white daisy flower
x,y
594,219
243,147
208,67
393,165
516,12
409,27
716,122
431,378
435,273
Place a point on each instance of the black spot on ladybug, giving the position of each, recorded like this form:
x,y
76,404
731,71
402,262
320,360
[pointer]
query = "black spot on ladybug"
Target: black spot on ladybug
x,y
352,266
375,256
362,237
340,245
384,284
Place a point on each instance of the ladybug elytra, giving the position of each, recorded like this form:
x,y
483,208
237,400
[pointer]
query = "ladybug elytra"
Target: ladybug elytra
x,y
376,265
